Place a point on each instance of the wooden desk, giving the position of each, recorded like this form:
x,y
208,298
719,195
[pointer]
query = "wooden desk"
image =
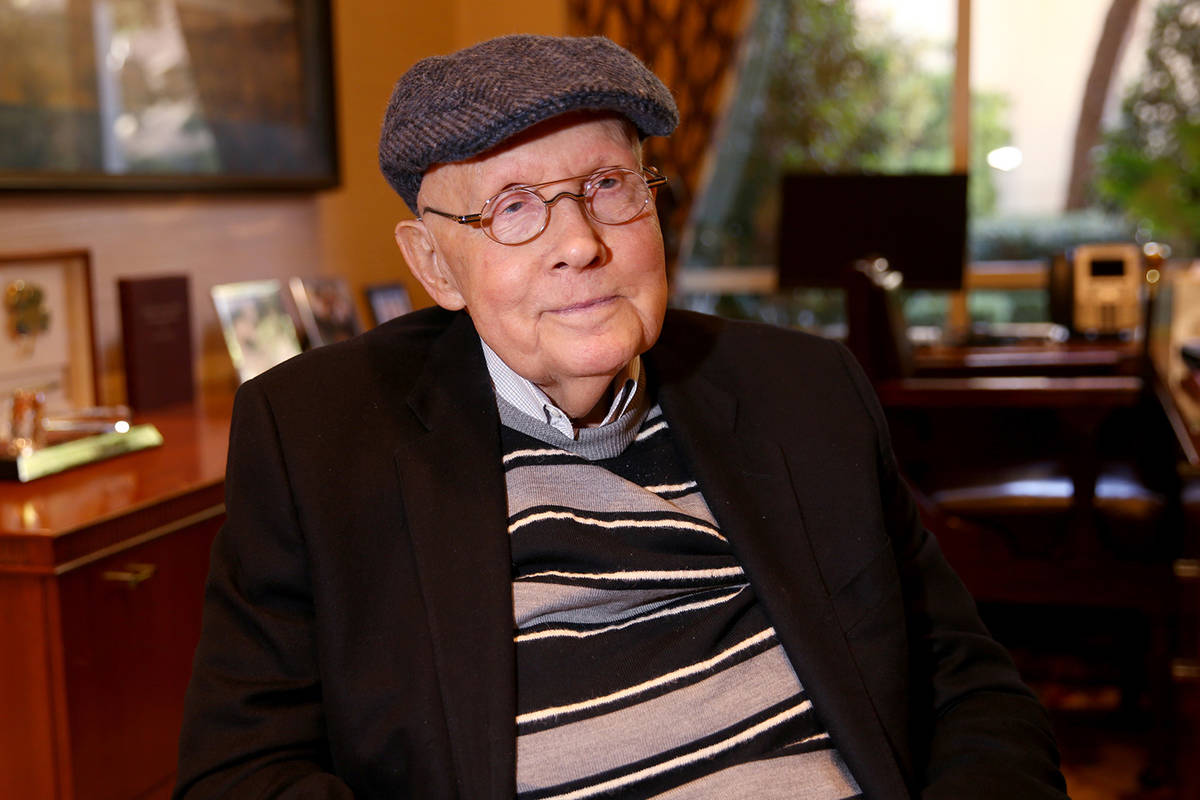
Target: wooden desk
x,y
1182,408
101,578
1084,382
1103,392
1051,359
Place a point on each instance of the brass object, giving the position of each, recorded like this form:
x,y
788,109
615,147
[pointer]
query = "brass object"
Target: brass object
x,y
1186,569
133,575
27,316
26,425
37,462
1185,669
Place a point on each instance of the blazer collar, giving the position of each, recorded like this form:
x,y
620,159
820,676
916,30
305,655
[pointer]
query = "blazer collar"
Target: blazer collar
x,y
452,486
748,484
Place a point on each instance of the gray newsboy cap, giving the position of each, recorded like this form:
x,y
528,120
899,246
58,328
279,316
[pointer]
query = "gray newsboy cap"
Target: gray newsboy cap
x,y
453,107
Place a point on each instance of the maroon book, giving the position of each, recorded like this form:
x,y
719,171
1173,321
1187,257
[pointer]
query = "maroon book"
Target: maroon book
x,y
156,334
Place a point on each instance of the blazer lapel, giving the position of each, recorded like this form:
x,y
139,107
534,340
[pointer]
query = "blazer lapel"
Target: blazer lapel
x,y
747,484
455,505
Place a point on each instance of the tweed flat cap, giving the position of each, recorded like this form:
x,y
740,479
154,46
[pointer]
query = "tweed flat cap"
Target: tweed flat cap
x,y
453,107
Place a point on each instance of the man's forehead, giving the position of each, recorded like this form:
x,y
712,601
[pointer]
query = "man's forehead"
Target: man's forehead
x,y
537,154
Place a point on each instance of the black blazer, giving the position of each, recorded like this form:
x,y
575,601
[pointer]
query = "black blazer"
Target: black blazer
x,y
358,624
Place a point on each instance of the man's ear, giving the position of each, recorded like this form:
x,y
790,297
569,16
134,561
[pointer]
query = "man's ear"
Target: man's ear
x,y
426,265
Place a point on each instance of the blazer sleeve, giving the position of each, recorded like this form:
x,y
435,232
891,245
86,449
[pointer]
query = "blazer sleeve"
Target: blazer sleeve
x,y
253,723
988,736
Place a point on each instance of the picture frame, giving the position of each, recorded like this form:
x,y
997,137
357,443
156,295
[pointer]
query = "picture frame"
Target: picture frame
x,y
168,95
47,340
388,301
326,309
259,333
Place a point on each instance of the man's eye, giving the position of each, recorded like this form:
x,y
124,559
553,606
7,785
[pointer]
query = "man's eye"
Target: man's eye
x,y
509,206
607,182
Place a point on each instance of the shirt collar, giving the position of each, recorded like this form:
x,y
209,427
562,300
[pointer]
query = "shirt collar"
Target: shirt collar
x,y
525,396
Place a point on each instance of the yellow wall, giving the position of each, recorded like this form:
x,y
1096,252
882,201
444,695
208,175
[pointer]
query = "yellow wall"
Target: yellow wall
x,y
375,46
216,238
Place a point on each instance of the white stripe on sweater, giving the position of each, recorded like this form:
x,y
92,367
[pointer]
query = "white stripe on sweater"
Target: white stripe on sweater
x,y
690,758
653,429
677,524
645,686
641,574
670,487
553,451
551,633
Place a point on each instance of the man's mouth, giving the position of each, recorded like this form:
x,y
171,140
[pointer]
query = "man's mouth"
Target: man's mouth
x,y
585,305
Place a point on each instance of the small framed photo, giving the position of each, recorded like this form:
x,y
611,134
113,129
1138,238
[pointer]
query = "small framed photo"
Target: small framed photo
x,y
326,310
258,330
46,328
388,301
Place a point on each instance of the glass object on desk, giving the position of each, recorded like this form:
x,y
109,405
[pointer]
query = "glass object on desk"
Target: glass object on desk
x,y
820,311
25,429
1008,305
38,444
998,315
993,315
925,308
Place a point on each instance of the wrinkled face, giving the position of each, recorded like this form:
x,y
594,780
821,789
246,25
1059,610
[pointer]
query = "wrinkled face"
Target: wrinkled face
x,y
579,300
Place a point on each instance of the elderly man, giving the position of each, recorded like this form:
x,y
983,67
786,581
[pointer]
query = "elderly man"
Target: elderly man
x,y
552,540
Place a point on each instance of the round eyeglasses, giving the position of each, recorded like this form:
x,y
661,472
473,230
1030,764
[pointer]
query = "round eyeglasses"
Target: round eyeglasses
x,y
612,196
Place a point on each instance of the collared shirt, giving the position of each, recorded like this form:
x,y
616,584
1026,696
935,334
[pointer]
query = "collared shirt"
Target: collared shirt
x,y
524,395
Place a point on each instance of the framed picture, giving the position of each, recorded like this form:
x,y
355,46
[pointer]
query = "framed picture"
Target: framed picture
x,y
167,94
326,310
258,330
388,301
46,342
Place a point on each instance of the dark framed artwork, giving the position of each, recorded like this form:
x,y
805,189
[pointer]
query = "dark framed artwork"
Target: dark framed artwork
x,y
166,94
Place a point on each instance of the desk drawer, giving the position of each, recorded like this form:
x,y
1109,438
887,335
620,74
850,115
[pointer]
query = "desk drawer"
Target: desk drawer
x,y
130,623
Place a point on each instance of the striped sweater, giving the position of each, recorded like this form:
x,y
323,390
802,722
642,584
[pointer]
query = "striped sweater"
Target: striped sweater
x,y
645,664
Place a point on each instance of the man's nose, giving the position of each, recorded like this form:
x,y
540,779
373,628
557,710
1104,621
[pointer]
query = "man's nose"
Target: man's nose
x,y
576,235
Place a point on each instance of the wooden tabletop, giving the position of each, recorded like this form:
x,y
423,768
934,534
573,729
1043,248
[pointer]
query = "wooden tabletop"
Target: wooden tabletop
x,y
48,523
1111,391
1181,403
1051,358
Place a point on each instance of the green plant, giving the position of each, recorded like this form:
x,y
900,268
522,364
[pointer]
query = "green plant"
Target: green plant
x,y
1149,165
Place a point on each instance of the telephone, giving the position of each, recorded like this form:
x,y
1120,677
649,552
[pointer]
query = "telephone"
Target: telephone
x,y
1095,289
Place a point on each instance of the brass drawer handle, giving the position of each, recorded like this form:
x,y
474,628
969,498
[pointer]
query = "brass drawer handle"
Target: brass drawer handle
x,y
1185,669
1187,569
132,576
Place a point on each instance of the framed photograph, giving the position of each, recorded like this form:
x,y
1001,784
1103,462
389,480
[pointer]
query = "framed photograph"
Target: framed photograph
x,y
258,330
46,343
388,301
326,310
167,94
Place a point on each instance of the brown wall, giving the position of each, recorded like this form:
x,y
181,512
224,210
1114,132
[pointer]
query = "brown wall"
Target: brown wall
x,y
216,238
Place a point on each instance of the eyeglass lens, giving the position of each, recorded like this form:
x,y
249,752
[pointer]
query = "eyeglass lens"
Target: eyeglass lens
x,y
611,197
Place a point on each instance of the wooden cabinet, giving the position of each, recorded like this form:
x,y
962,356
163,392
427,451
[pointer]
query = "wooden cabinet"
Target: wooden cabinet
x,y
1186,668
101,579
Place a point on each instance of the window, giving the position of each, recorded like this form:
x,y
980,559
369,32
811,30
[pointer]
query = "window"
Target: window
x,y
1084,125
